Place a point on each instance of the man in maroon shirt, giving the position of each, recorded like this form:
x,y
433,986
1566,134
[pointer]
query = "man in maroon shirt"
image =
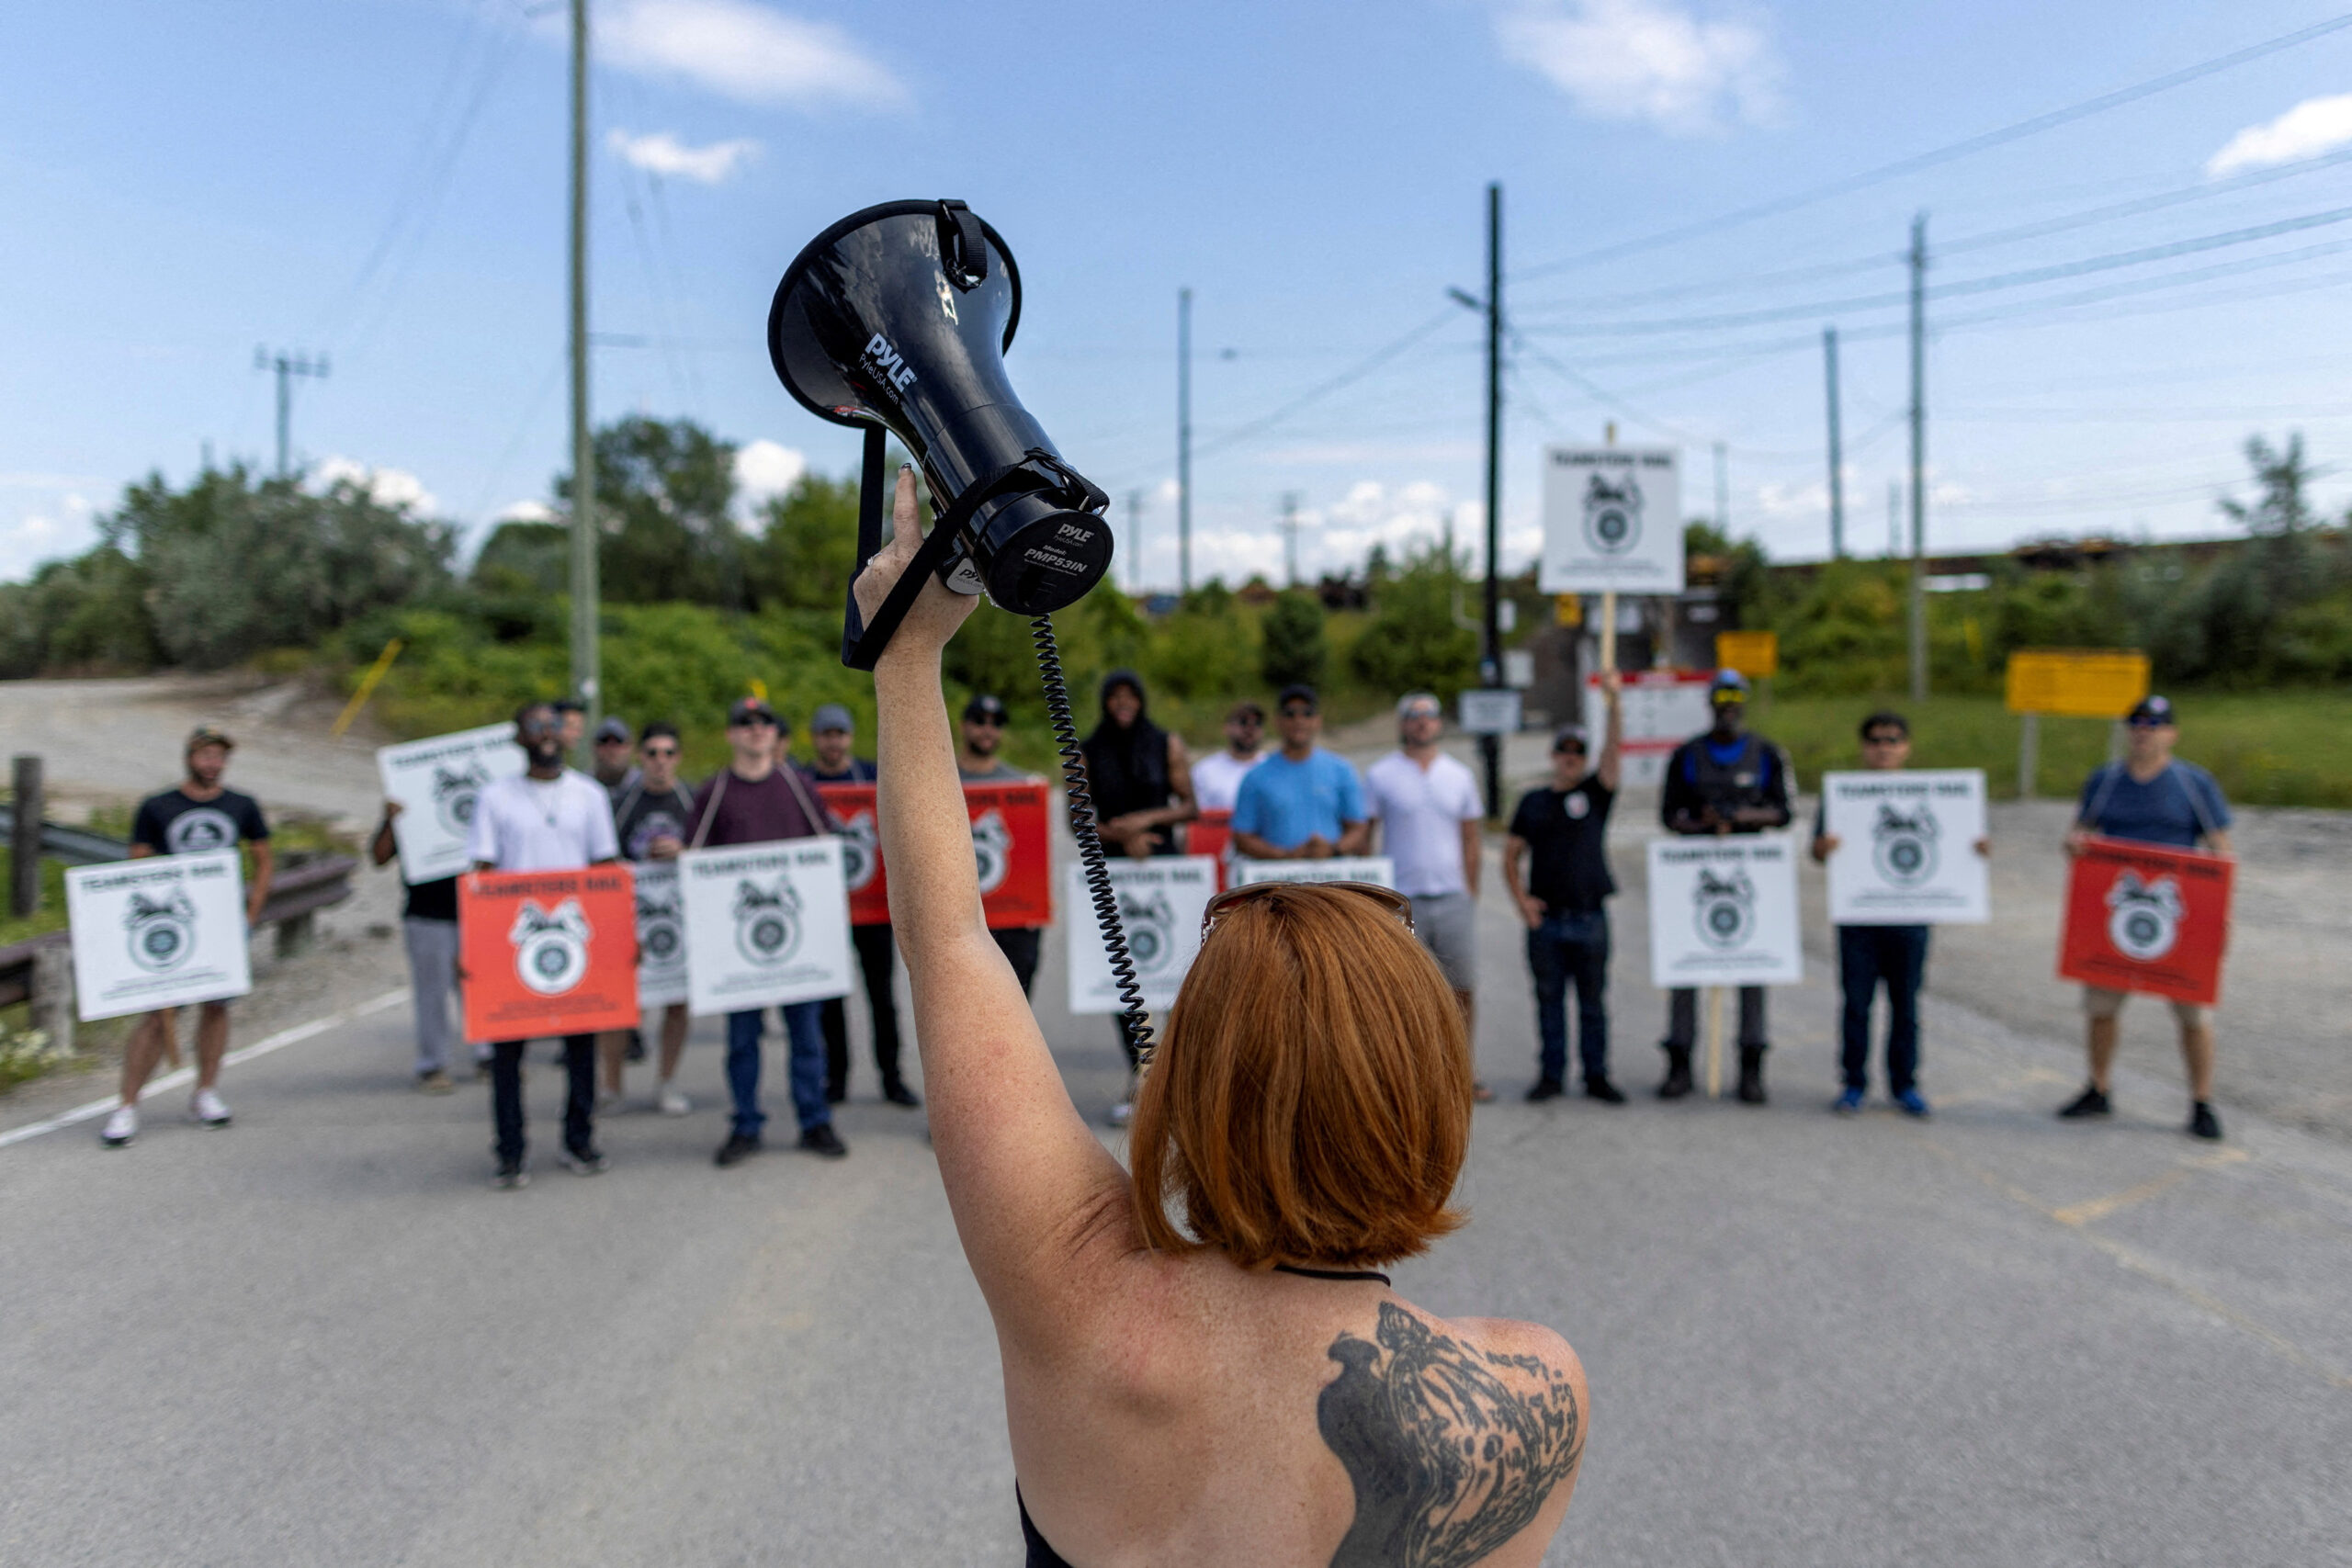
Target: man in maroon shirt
x,y
756,799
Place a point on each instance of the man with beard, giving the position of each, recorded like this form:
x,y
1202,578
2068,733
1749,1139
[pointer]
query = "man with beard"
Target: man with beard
x,y
1726,780
760,798
1216,778
977,762
197,817
834,734
650,819
547,819
1140,781
612,767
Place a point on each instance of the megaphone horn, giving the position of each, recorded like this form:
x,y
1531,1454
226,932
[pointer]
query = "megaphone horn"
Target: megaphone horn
x,y
896,319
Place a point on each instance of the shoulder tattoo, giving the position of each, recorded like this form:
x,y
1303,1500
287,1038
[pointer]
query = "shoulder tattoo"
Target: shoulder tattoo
x,y
1449,1462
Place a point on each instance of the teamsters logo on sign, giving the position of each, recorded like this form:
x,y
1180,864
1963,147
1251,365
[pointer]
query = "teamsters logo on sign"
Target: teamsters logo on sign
x,y
454,793
551,946
1612,514
2143,918
767,922
661,926
163,931
859,858
1151,930
1902,845
1726,907
992,842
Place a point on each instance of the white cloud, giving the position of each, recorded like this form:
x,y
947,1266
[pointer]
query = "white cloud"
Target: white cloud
x,y
663,153
743,50
528,512
2312,127
763,469
395,488
1648,61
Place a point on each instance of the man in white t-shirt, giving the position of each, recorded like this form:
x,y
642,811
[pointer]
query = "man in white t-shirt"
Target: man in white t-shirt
x,y
1217,779
1429,809
549,818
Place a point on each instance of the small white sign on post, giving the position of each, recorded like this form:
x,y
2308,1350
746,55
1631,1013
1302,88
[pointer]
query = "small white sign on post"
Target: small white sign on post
x,y
1659,708
1339,868
1723,911
1906,853
661,935
1612,518
1161,901
1494,711
158,932
766,924
436,782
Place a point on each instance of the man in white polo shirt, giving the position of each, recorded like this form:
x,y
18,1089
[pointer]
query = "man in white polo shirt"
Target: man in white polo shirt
x,y
1429,810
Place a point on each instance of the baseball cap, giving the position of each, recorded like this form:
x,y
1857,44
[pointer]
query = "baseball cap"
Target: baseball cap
x,y
1298,693
1571,735
613,729
752,710
831,716
209,734
986,706
2152,710
1728,686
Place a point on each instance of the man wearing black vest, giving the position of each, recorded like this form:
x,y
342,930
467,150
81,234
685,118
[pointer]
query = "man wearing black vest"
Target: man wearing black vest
x,y
1726,780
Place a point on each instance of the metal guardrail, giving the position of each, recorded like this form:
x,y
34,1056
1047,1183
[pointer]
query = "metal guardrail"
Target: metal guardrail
x,y
75,846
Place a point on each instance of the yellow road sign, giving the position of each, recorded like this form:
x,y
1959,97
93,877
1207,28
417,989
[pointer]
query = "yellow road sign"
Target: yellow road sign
x,y
2077,682
1750,653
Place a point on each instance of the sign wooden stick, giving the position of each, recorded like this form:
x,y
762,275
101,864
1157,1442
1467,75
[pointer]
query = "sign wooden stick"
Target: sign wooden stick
x,y
1609,628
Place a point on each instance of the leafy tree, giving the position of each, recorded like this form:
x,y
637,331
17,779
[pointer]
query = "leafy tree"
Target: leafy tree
x,y
1414,643
807,545
664,490
1291,646
523,557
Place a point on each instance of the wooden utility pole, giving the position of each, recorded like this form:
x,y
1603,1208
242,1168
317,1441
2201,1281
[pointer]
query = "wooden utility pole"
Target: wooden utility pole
x,y
1490,667
584,684
1919,458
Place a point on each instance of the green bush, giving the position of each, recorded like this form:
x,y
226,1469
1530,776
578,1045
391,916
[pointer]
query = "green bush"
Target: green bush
x,y
1291,645
1413,642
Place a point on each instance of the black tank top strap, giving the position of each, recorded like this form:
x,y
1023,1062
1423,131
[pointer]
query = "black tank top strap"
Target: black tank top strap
x,y
1041,1553
1343,1274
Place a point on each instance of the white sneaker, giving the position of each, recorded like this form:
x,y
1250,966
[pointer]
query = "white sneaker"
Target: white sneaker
x,y
207,1106
607,1101
121,1127
675,1101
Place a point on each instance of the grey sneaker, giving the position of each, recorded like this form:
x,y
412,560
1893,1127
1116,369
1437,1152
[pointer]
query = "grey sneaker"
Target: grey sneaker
x,y
588,1161
513,1175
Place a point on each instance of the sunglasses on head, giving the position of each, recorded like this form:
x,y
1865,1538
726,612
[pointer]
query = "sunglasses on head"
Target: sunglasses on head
x,y
1388,898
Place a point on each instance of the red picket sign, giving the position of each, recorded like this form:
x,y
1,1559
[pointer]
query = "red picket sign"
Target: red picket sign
x,y
1011,834
1211,833
547,952
869,890
2143,918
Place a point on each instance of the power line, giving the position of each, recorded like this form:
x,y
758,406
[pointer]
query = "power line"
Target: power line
x,y
1322,389
1961,148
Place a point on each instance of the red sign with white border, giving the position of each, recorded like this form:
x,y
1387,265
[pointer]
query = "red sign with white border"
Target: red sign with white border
x,y
1011,836
547,952
2145,917
869,890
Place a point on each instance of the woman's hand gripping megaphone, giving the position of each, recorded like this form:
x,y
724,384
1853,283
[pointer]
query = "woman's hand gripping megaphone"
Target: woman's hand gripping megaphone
x,y
937,611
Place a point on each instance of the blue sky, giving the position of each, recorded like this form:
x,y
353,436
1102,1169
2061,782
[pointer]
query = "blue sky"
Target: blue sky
x,y
383,181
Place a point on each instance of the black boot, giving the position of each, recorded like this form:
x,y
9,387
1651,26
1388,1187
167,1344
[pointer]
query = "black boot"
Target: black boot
x,y
1751,1074
1678,1073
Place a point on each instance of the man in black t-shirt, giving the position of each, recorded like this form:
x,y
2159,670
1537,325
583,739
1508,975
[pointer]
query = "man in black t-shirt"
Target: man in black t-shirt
x,y
429,930
650,816
1562,830
197,817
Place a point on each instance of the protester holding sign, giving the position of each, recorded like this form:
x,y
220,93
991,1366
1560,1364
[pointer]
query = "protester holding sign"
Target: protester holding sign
x,y
2151,797
1563,830
976,761
199,816
649,812
759,798
546,818
429,931
1896,956
1304,803
834,733
1726,780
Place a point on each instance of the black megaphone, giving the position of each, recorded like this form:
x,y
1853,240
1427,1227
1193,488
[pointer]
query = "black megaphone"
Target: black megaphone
x,y
896,319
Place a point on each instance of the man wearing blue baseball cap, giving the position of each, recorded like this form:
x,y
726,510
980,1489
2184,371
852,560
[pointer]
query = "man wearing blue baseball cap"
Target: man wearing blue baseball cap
x,y
1726,780
2151,797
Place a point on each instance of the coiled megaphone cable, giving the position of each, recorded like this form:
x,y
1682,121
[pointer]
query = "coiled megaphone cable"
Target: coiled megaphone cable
x,y
1099,890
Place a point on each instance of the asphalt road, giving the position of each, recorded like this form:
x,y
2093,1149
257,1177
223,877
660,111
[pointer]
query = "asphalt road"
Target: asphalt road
x,y
317,1337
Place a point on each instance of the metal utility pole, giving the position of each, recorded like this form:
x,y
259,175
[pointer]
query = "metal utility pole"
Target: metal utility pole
x,y
1722,494
583,452
1185,440
1290,535
1837,458
287,365
1894,519
1135,539
1919,458
1490,667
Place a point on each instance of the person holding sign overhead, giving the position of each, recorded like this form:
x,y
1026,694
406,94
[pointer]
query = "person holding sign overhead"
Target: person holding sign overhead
x,y
548,818
1727,781
1303,803
1868,956
759,798
2151,797
196,816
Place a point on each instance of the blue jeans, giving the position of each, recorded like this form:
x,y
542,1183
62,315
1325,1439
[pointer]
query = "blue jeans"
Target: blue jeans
x,y
1571,949
804,1032
1866,956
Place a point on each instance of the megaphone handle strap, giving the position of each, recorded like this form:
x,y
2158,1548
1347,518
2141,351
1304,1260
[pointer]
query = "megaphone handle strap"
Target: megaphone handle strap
x,y
864,644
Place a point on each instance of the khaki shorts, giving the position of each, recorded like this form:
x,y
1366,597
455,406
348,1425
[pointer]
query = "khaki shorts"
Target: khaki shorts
x,y
1447,924
2100,1003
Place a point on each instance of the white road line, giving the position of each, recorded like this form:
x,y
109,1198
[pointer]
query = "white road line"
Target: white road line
x,y
185,1075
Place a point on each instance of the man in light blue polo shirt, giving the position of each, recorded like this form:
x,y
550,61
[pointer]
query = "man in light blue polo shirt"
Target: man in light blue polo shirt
x,y
1303,803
